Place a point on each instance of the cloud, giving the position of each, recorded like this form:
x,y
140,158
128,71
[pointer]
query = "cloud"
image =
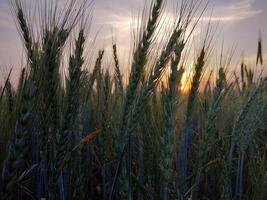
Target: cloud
x,y
122,22
234,12
6,21
114,18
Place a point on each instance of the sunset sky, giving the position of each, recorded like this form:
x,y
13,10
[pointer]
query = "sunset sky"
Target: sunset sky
x,y
239,25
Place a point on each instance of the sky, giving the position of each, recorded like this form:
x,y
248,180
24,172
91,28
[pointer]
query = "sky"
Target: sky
x,y
239,22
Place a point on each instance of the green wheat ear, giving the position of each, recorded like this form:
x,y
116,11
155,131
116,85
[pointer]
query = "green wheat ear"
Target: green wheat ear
x,y
171,106
118,76
187,132
71,108
140,59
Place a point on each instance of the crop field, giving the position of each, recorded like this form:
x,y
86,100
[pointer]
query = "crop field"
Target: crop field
x,y
82,125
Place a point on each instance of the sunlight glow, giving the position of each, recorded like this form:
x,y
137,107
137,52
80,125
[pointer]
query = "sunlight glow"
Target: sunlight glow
x,y
185,85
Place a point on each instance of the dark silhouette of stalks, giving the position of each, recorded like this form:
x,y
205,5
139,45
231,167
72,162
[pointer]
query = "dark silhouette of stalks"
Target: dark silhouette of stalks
x,y
18,147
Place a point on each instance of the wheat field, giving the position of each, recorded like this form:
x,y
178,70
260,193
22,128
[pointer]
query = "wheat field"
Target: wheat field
x,y
77,129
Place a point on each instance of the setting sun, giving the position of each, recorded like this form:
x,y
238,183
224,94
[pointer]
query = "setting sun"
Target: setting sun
x,y
185,85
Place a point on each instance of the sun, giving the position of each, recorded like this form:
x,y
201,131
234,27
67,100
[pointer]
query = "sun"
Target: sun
x,y
185,85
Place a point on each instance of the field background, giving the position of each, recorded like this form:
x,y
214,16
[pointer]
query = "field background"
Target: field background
x,y
176,114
